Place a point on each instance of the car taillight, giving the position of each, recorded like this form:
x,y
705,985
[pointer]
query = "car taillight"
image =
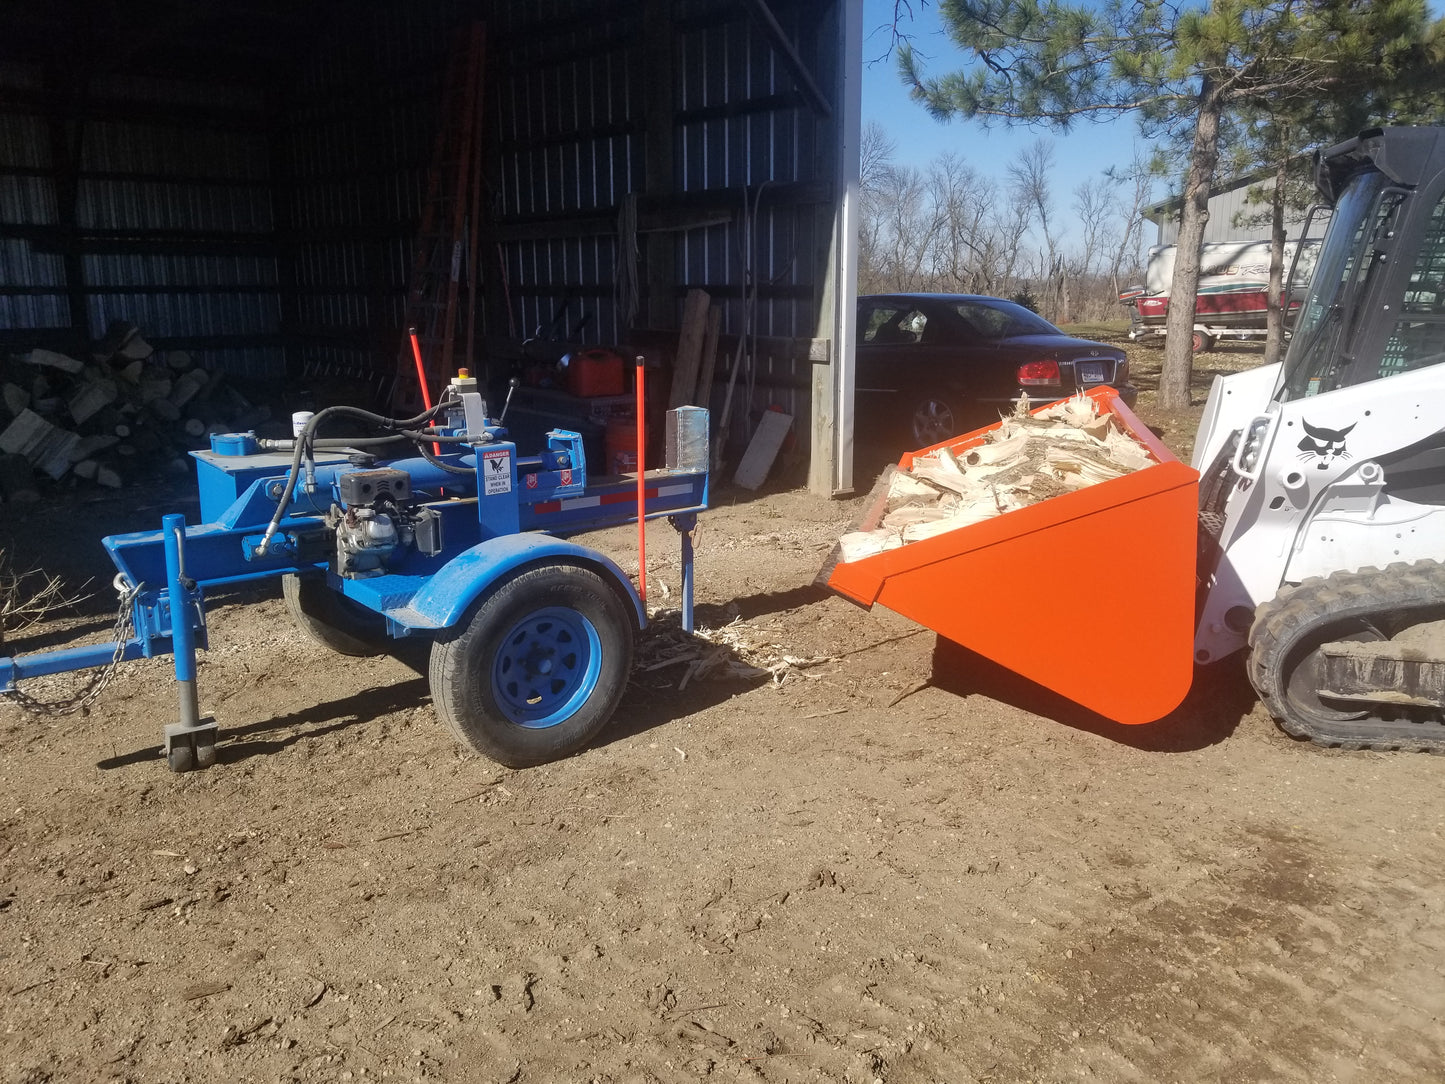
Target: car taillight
x,y
1039,372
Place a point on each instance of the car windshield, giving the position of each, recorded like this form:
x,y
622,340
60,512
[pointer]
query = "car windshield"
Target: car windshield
x,y
1002,319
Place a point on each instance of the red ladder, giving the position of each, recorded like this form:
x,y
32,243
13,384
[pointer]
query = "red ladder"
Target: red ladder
x,y
446,238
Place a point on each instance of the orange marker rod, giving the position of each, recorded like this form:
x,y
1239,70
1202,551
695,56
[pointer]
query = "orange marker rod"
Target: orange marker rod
x,y
420,368
421,378
641,487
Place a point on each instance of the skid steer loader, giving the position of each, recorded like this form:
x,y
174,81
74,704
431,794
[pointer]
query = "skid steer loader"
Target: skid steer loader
x,y
1322,489
1309,529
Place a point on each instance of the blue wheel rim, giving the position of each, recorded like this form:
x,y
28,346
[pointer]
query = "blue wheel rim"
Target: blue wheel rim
x,y
546,667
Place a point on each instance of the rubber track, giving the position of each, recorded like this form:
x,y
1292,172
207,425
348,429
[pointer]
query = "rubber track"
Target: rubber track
x,y
1296,612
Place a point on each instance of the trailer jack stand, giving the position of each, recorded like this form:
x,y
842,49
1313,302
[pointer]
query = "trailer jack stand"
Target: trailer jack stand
x,y
191,747
190,743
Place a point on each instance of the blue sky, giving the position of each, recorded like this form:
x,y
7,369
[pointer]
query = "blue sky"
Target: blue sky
x,y
1085,152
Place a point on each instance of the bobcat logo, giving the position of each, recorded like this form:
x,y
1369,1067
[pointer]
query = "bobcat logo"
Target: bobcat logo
x,y
1325,444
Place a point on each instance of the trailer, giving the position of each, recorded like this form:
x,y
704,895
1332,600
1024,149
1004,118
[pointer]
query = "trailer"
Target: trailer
x,y
462,542
1233,296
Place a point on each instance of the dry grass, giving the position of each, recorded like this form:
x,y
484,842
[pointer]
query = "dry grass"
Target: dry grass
x,y
28,598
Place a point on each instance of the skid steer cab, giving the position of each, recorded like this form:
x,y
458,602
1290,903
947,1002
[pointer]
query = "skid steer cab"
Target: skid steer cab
x,y
459,540
1308,532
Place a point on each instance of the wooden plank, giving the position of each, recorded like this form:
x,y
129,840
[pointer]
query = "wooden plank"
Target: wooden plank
x,y
689,348
703,395
45,445
14,397
763,449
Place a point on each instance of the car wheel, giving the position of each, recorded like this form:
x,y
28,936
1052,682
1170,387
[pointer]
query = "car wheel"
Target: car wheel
x,y
932,422
1201,343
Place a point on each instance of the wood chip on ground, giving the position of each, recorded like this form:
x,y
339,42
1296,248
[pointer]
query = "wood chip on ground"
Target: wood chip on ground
x,y
737,651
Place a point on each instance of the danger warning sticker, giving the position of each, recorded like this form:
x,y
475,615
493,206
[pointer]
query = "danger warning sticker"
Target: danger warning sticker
x,y
496,472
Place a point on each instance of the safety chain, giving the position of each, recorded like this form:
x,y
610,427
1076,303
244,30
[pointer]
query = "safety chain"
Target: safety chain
x,y
100,677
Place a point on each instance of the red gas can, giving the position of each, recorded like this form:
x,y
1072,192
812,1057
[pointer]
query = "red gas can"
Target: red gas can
x,y
597,371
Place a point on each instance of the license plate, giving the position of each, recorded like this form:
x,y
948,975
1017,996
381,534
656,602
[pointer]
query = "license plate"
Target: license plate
x,y
1091,372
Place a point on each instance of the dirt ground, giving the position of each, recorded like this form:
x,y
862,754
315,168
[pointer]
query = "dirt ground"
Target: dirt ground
x,y
851,856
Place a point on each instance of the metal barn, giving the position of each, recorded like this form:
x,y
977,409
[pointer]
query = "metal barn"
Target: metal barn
x,y
261,185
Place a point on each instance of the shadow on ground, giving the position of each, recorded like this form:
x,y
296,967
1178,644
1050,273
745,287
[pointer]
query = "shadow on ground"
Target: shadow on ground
x,y
1218,700
269,736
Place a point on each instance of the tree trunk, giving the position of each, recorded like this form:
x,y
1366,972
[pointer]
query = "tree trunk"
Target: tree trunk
x,y
1274,312
1174,380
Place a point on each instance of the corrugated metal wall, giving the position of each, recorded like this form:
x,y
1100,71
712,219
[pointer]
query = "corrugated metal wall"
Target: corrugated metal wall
x,y
271,225
572,125
1232,217
566,118
743,129
32,281
354,144
168,222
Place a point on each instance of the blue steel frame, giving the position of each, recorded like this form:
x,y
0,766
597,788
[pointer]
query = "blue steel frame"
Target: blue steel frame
x,y
510,513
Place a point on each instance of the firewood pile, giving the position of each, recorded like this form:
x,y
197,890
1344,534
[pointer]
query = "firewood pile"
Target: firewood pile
x,y
123,414
1027,458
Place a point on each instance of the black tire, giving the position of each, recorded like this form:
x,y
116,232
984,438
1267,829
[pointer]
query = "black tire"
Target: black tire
x,y
537,667
332,619
1369,605
931,422
182,756
206,754
1201,343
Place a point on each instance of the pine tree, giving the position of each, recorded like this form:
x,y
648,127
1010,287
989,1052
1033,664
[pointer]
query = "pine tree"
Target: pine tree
x,y
1269,135
1055,62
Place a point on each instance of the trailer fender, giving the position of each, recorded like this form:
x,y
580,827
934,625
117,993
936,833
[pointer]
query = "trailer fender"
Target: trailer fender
x,y
447,595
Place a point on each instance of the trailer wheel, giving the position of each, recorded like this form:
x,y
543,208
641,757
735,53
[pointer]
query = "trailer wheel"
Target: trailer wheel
x,y
1201,342
537,667
332,619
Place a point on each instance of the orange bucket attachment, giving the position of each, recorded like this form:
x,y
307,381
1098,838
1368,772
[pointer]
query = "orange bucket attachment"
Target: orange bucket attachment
x,y
1090,593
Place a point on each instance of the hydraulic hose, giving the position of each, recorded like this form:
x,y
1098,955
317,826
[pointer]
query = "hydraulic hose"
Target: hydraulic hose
x,y
337,443
303,441
330,443
436,461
